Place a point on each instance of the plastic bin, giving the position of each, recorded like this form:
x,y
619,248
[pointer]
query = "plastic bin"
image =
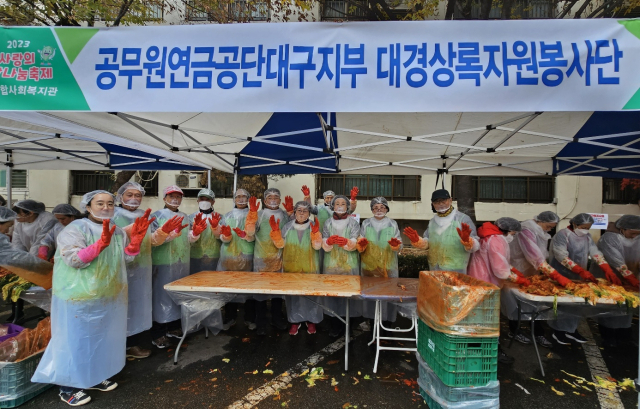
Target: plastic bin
x,y
428,380
459,361
435,402
15,381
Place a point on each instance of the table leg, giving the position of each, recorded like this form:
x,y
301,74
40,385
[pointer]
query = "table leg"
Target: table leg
x,y
346,339
175,356
378,317
535,344
518,327
375,325
206,332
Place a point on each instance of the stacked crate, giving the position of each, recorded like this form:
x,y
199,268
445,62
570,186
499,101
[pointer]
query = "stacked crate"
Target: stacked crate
x,y
458,341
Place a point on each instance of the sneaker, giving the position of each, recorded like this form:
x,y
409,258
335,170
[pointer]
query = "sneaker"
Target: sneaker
x,y
227,325
521,338
75,398
503,358
279,323
162,342
561,338
105,386
250,325
543,341
262,330
311,328
137,352
576,337
176,333
294,329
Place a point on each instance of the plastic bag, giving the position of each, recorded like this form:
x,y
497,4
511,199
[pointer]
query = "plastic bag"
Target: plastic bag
x,y
27,343
456,304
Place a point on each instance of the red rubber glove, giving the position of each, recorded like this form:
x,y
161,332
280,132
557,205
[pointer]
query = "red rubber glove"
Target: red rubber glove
x,y
632,280
464,233
315,228
138,232
411,234
199,225
89,253
562,280
517,272
305,191
362,244
332,240
341,241
394,242
172,224
215,220
611,276
225,231
275,224
584,274
43,251
522,281
288,204
254,205
354,192
240,233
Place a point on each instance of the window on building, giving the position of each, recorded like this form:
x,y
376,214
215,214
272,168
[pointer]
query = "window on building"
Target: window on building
x,y
338,10
18,179
85,181
392,187
612,192
511,189
521,9
234,10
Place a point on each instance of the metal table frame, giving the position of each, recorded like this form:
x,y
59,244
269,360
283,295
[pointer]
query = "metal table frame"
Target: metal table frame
x,y
533,315
377,326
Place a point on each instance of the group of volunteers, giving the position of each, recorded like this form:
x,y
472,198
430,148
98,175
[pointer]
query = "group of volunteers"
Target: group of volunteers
x,y
112,261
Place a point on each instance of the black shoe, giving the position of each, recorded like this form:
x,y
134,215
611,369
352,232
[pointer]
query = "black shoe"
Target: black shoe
x,y
228,324
261,330
503,358
279,323
561,337
76,398
162,342
105,386
543,341
575,336
521,338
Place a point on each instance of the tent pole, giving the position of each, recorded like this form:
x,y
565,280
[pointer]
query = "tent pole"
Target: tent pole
x,y
9,196
209,179
235,180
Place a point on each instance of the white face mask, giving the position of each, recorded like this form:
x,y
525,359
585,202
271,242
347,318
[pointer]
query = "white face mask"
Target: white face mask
x,y
132,203
204,205
173,202
340,210
379,214
442,209
273,204
508,238
581,232
102,214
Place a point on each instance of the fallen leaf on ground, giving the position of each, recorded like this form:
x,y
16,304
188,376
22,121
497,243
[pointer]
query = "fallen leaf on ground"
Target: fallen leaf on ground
x,y
550,355
537,380
268,363
557,391
367,377
226,360
627,384
246,339
356,380
268,371
168,380
334,382
213,379
316,374
359,373
335,361
576,393
569,383
605,384
213,370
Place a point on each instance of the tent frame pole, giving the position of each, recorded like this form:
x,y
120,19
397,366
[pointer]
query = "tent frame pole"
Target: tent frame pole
x,y
235,181
209,179
9,187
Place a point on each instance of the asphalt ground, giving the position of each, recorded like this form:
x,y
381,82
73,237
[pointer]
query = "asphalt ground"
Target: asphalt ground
x,y
229,369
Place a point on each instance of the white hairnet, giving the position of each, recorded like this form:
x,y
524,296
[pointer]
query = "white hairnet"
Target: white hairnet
x,y
379,200
207,193
547,217
6,214
328,193
629,222
129,186
86,199
333,201
271,191
171,189
29,205
66,209
302,205
582,218
508,224
241,192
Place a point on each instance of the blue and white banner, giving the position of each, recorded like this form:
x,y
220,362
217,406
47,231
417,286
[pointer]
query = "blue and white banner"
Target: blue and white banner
x,y
428,66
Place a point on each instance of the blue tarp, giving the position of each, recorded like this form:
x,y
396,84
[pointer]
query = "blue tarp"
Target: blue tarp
x,y
137,156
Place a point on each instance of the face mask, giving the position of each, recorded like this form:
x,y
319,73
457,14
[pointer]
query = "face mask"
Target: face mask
x,y
508,238
581,232
379,215
442,210
102,214
132,203
173,202
341,210
273,204
204,205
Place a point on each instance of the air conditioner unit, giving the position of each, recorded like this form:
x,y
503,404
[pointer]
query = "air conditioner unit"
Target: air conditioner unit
x,y
188,181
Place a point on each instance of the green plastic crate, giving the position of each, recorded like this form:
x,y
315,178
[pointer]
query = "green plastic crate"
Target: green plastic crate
x,y
432,404
15,381
458,361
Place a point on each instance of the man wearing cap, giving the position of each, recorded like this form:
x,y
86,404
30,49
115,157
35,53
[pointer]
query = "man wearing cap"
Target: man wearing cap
x,y
204,234
451,236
